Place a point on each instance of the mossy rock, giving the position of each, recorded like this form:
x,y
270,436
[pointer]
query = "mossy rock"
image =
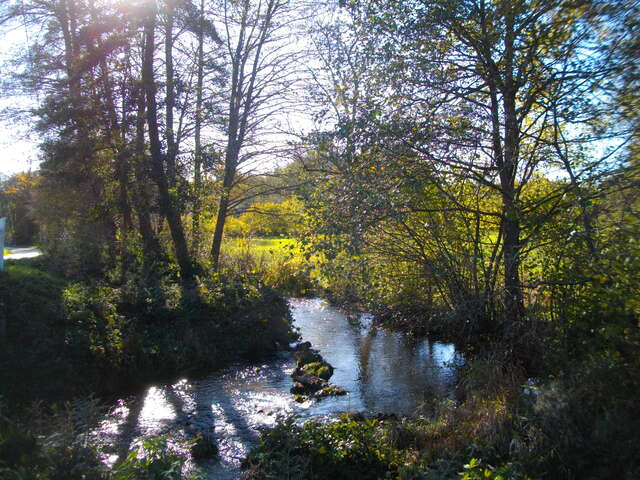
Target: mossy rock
x,y
303,357
311,382
318,369
330,391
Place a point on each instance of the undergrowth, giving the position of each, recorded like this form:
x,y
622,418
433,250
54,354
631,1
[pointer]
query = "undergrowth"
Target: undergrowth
x,y
67,338
60,449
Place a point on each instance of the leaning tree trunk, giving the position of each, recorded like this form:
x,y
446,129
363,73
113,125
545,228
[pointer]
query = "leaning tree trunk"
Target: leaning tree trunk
x,y
223,207
167,204
152,249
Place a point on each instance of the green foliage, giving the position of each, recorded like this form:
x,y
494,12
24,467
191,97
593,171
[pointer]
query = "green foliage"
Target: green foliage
x,y
585,422
342,450
275,262
269,219
53,445
475,470
65,339
152,460
94,324
16,199
403,449
236,227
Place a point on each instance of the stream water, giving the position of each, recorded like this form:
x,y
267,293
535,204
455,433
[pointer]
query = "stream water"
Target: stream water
x,y
382,371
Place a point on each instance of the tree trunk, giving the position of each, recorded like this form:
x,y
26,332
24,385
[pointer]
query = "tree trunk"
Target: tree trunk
x,y
167,204
216,245
511,251
227,183
170,98
230,162
150,243
241,103
511,212
197,174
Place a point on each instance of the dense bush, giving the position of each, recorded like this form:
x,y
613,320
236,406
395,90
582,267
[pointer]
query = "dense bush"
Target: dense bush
x,y
585,423
346,449
68,338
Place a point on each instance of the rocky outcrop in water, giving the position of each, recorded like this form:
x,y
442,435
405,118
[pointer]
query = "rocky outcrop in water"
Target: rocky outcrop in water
x,y
312,374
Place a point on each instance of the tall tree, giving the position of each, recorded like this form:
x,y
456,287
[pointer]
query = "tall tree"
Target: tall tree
x,y
467,97
167,201
260,59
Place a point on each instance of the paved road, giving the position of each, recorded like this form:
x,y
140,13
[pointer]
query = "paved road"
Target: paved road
x,y
22,252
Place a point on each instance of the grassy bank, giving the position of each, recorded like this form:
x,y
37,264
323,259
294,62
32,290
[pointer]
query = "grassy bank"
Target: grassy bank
x,y
67,340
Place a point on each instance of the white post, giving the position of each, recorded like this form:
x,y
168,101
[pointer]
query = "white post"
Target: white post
x,y
2,224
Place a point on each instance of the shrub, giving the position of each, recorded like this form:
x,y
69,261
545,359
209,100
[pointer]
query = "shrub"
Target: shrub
x,y
276,263
152,459
53,450
69,339
585,423
346,449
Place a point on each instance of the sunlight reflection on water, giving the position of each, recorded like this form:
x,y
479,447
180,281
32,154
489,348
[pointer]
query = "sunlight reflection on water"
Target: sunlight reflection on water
x,y
382,371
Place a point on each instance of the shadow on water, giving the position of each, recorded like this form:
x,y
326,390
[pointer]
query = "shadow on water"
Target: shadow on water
x,y
382,371
128,429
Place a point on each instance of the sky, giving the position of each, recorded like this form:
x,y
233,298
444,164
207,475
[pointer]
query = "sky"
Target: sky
x,y
18,152
19,146
17,156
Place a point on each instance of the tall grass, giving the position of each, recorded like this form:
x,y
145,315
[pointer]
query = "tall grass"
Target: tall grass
x,y
275,262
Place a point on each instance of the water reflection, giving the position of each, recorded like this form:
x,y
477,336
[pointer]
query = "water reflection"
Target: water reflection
x,y
382,371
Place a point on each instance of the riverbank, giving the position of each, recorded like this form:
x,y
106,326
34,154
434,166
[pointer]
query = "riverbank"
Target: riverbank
x,y
68,339
583,424
381,371
578,419
484,420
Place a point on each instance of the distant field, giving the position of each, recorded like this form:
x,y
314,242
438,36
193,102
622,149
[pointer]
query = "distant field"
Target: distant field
x,y
270,243
261,245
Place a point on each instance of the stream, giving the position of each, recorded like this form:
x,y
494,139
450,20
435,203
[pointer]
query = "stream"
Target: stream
x,y
382,371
